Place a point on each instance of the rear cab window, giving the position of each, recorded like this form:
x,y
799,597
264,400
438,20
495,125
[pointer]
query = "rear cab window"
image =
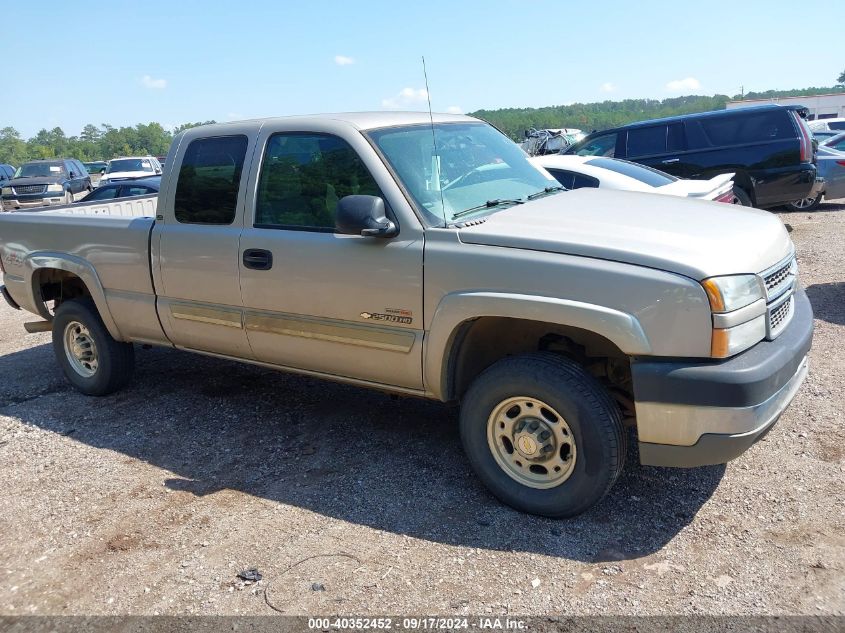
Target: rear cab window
x,y
209,180
647,175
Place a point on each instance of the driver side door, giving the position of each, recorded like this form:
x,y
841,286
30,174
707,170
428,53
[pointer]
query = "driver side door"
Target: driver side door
x,y
315,299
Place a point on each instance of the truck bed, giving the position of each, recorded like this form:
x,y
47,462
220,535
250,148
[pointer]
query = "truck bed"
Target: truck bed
x,y
135,207
111,252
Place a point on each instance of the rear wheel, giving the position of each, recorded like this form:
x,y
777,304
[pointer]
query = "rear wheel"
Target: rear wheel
x,y
805,204
542,434
93,362
743,197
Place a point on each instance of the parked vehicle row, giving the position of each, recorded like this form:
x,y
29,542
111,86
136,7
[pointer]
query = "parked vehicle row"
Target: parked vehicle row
x,y
45,182
427,255
768,148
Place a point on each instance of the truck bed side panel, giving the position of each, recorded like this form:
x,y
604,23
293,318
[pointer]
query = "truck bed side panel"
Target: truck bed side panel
x,y
116,248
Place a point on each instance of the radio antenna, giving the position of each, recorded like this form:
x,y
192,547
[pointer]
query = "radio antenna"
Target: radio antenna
x,y
435,156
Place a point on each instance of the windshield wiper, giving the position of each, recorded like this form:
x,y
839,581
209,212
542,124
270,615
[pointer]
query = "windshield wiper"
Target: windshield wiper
x,y
488,205
545,191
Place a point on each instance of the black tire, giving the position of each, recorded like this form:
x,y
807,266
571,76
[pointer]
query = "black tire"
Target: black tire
x,y
743,197
115,360
805,204
586,407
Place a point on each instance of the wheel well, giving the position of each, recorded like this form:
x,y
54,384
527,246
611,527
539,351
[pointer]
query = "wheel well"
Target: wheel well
x,y
57,286
743,181
479,343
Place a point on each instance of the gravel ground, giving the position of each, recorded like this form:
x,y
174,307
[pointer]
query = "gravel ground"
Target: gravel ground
x,y
353,502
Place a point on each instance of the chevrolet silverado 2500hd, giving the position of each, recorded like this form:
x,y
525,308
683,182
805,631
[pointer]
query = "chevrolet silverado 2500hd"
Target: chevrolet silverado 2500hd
x,y
431,258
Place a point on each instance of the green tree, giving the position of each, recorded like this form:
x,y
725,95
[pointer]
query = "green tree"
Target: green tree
x,y
13,149
841,79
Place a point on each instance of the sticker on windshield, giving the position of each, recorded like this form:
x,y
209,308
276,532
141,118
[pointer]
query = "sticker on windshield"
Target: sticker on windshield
x,y
55,169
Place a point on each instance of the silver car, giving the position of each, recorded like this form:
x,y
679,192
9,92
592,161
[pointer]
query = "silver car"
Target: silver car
x,y
831,167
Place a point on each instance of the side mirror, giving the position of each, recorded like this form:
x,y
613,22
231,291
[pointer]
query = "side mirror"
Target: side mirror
x,y
73,174
363,215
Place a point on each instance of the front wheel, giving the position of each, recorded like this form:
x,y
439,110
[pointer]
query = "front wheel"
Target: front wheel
x,y
805,204
93,362
543,435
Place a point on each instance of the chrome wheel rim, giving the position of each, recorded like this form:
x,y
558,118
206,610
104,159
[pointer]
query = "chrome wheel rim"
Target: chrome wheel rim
x,y
531,442
80,349
803,203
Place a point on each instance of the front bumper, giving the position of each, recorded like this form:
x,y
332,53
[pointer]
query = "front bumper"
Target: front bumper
x,y
31,202
698,414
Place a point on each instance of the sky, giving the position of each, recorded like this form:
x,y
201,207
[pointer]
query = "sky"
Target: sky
x,y
177,61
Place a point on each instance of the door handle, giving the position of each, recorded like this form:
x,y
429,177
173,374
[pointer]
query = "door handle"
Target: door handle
x,y
669,161
258,259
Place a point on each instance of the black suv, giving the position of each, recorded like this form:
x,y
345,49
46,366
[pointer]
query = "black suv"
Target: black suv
x,y
769,148
41,183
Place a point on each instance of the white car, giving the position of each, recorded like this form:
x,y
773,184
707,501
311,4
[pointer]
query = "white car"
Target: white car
x,y
575,172
130,167
827,125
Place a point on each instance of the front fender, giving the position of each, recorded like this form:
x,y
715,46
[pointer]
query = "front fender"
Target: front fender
x,y
622,329
75,265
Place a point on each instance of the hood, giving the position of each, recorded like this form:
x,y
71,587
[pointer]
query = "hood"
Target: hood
x,y
696,238
38,180
698,188
123,175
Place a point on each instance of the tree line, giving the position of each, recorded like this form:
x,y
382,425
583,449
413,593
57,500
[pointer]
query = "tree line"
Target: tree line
x,y
105,141
93,143
608,114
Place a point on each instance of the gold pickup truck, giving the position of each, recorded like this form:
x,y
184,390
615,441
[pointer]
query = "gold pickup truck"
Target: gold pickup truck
x,y
430,257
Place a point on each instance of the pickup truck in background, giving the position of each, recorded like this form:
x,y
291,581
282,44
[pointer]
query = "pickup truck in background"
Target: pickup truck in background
x,y
382,250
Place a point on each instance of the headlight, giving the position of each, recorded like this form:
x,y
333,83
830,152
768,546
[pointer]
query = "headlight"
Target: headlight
x,y
55,188
737,322
6,191
102,181
733,292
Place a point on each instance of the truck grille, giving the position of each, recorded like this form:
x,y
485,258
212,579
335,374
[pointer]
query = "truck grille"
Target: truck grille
x,y
25,189
779,317
780,278
780,282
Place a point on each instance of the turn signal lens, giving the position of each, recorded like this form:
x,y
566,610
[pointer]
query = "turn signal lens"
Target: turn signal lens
x,y
730,341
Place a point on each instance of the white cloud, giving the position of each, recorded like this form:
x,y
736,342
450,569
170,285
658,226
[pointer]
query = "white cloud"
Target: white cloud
x,y
608,87
407,97
343,60
690,83
454,110
153,84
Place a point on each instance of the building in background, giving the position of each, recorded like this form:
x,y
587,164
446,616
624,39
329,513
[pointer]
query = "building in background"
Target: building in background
x,y
828,106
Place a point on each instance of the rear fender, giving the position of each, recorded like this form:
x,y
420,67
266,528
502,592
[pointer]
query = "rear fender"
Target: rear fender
x,y
44,260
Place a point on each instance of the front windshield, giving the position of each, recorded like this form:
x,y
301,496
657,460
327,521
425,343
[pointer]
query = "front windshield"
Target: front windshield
x,y
39,170
130,164
474,168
